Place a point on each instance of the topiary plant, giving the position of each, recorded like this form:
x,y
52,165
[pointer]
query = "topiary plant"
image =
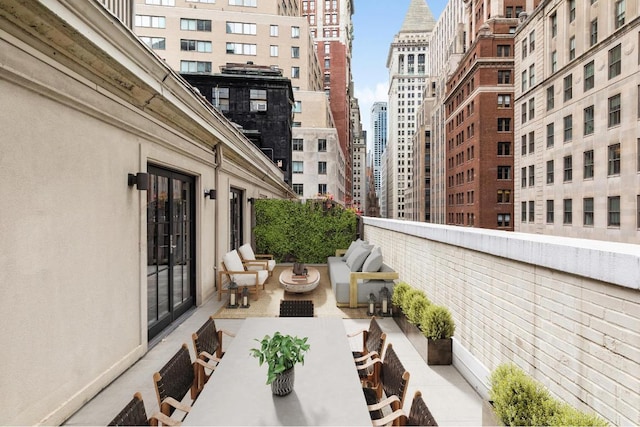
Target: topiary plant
x,y
399,291
518,399
567,415
407,299
437,322
418,305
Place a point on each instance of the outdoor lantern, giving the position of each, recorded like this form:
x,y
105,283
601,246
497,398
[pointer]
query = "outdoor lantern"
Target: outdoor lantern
x,y
372,304
245,298
233,295
385,301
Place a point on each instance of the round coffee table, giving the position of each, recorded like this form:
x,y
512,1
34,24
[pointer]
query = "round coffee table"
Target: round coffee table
x,y
290,284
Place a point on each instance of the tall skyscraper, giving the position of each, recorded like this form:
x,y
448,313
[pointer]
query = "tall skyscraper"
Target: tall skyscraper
x,y
408,67
379,142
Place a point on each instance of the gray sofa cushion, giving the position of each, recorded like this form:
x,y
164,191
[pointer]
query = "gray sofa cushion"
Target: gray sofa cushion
x,y
352,246
373,261
358,257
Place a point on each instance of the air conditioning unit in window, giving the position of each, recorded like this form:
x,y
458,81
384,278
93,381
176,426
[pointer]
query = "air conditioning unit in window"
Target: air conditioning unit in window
x,y
261,106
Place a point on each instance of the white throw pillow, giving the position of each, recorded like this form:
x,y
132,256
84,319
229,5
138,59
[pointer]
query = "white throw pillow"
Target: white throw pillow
x,y
246,252
373,261
357,257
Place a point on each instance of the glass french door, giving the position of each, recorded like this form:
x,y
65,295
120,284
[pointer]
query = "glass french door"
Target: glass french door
x,y
236,218
170,248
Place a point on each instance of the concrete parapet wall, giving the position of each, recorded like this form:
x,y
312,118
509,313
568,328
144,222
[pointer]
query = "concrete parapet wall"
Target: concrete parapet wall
x,y
565,310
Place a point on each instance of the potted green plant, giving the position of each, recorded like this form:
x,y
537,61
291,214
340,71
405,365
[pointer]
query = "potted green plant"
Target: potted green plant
x,y
281,352
438,327
399,290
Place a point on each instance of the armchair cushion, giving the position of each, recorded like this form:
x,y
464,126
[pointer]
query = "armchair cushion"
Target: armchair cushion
x,y
247,254
232,261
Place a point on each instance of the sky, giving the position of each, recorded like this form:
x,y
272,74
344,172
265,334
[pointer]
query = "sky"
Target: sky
x,y
376,22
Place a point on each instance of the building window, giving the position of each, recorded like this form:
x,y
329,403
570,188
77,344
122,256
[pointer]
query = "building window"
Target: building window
x,y
587,211
241,28
504,50
523,145
549,211
241,49
532,142
195,67
524,81
273,31
588,164
523,211
504,148
532,108
298,144
298,167
550,98
258,100
524,48
295,32
322,168
568,87
195,24
638,212
504,77
568,128
532,212
523,112
550,172
295,72
593,32
248,3
504,124
504,196
567,205
613,211
523,177
504,220
554,61
572,10
150,21
322,145
588,120
532,41
504,101
156,43
298,189
615,61
532,75
504,172
572,48
568,168
297,107
220,98
550,135
620,11
614,110
532,175
589,79
554,25
614,159
273,49
295,52
322,189
195,46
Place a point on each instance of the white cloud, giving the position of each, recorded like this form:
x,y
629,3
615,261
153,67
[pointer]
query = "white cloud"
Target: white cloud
x,y
366,98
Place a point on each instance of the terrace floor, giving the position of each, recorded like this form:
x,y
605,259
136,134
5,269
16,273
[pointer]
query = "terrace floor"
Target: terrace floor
x,y
452,401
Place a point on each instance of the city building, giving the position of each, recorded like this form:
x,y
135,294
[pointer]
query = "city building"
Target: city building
x,y
258,99
418,195
379,140
577,101
358,159
447,46
331,28
408,70
479,120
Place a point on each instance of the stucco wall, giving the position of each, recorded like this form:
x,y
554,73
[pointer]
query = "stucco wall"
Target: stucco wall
x,y
533,300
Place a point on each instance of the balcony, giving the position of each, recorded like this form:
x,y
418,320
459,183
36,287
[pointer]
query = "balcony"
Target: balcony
x,y
564,310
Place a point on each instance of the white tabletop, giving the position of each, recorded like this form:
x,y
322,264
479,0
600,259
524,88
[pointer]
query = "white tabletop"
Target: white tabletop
x,y
327,389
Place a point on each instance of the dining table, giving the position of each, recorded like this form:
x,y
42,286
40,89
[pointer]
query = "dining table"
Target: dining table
x,y
327,388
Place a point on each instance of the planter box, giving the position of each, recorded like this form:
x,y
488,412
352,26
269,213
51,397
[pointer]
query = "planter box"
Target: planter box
x,y
439,352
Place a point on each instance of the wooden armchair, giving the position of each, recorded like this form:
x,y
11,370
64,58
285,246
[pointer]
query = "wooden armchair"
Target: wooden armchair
x,y
373,340
235,270
178,377
393,379
419,415
134,414
258,261
207,343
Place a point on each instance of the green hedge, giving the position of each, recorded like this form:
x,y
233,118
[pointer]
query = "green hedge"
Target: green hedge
x,y
307,232
519,400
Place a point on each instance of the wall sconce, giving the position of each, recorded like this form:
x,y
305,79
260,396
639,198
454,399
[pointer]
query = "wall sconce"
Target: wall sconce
x,y
210,194
140,180
251,200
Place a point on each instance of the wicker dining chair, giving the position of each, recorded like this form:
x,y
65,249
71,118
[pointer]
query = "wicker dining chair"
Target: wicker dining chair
x,y
207,343
419,415
134,414
373,340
